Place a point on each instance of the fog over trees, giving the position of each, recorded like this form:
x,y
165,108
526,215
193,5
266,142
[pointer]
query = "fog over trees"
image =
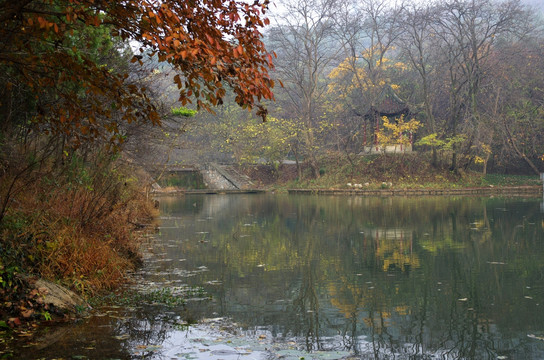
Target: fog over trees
x,y
470,71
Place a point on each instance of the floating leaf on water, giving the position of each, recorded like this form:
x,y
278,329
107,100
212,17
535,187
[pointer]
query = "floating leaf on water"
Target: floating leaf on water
x,y
532,336
225,352
213,282
289,354
152,347
213,320
184,355
331,355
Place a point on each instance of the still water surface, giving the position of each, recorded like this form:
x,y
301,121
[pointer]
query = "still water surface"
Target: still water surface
x,y
333,277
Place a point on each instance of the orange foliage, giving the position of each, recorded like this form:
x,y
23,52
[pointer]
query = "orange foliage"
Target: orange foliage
x,y
209,42
82,234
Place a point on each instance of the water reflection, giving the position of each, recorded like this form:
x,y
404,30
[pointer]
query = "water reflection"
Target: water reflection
x,y
366,278
456,277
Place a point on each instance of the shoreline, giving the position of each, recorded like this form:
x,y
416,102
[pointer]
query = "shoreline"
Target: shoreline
x,y
526,190
506,190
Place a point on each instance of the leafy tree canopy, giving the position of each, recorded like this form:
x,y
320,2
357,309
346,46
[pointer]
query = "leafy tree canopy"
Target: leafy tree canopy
x,y
43,55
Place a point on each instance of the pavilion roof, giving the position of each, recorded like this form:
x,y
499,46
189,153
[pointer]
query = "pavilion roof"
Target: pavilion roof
x,y
388,103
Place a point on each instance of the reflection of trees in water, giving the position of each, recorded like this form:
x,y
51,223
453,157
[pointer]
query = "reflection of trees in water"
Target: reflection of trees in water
x,y
421,256
112,333
394,247
147,327
394,278
470,331
304,309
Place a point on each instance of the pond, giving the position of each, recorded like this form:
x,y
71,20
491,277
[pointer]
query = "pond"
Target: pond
x,y
286,276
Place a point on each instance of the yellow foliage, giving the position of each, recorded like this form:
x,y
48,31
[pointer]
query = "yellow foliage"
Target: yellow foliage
x,y
397,132
486,149
478,160
351,74
254,139
383,61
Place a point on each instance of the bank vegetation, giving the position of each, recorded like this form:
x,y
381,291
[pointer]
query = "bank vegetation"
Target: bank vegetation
x,y
78,79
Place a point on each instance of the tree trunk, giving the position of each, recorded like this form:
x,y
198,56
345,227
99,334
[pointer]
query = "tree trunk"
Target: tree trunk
x,y
519,152
313,165
453,166
484,171
434,161
299,169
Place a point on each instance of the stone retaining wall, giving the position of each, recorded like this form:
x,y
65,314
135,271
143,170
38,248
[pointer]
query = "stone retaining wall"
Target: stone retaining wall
x,y
486,191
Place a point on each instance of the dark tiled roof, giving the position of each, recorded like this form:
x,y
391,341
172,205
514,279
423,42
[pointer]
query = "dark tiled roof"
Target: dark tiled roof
x,y
389,104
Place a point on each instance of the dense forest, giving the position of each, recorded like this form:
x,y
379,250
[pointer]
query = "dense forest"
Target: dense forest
x,y
467,76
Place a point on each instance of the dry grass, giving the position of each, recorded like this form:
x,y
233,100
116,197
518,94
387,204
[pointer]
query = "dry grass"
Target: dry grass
x,y
76,229
94,256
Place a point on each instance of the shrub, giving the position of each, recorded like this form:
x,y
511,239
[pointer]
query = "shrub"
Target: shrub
x,y
74,224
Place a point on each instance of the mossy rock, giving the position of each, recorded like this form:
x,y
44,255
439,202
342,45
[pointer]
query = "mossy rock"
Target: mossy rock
x,y
60,297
